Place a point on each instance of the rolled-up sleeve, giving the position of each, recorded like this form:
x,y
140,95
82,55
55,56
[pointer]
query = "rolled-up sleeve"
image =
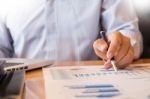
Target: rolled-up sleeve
x,y
6,42
119,15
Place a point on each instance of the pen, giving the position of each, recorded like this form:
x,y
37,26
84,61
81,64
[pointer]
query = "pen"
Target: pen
x,y
103,36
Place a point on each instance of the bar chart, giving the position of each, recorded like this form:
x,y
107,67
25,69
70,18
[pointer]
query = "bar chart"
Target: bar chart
x,y
95,91
95,82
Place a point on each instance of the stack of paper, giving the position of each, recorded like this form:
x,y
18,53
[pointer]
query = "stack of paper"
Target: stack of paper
x,y
94,82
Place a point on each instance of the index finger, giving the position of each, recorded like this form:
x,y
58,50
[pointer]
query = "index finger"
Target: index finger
x,y
115,40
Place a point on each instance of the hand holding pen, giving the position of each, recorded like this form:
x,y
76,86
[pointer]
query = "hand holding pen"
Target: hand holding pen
x,y
114,47
112,61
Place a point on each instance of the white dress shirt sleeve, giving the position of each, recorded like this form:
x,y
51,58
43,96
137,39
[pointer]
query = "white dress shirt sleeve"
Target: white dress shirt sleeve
x,y
119,15
6,49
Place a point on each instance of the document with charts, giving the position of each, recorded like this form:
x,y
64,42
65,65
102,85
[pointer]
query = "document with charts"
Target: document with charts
x,y
95,82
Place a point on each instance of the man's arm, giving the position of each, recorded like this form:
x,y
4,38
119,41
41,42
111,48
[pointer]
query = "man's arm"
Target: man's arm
x,y
119,15
121,24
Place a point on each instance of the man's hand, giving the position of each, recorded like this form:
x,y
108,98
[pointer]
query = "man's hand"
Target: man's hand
x,y
119,47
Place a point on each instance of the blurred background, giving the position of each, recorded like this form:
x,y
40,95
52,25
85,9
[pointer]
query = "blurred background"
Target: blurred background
x,y
142,8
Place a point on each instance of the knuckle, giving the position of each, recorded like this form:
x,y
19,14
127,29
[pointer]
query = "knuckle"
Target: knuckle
x,y
118,40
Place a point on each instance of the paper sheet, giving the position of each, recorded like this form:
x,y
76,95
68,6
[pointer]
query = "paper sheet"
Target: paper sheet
x,y
94,82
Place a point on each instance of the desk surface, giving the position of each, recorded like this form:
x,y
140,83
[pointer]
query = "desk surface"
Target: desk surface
x,y
38,72
35,78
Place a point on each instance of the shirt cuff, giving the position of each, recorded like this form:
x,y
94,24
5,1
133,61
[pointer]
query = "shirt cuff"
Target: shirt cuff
x,y
136,41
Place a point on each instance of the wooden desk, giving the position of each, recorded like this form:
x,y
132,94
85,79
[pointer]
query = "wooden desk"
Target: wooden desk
x,y
34,79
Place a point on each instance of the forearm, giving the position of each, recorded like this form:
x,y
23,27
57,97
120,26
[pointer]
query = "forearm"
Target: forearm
x,y
119,15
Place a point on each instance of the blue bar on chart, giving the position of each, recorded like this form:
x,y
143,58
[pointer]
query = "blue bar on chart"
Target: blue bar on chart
x,y
90,86
98,96
101,90
95,90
